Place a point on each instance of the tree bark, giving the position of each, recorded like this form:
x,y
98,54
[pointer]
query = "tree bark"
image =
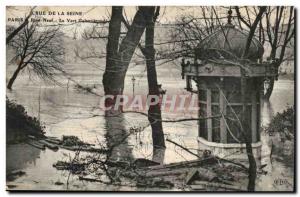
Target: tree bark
x,y
117,65
112,47
252,30
246,133
13,78
269,89
154,111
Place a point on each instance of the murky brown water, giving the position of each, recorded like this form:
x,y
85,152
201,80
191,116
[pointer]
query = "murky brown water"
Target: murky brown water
x,y
66,111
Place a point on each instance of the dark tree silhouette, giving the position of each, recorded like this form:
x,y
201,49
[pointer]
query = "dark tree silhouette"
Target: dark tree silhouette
x,y
15,31
246,131
116,68
39,49
273,29
279,34
119,55
154,112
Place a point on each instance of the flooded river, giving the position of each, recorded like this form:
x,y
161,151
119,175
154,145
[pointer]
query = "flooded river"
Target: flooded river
x,y
67,111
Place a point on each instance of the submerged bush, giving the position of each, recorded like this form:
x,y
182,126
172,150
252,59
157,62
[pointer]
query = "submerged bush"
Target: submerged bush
x,y
283,122
19,124
71,141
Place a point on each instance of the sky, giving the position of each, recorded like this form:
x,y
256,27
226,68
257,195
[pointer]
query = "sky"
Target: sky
x,y
67,15
167,13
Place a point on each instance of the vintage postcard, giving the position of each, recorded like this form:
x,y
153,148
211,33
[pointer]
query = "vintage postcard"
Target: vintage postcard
x,y
150,98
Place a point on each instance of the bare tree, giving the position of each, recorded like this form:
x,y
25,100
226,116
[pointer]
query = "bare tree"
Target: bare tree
x,y
115,70
149,14
154,112
119,55
252,28
112,49
39,49
280,33
245,128
276,29
15,31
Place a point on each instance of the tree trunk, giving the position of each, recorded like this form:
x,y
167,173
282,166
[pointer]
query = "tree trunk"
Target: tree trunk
x,y
112,47
18,29
277,36
270,89
117,65
252,166
246,132
252,30
13,78
154,111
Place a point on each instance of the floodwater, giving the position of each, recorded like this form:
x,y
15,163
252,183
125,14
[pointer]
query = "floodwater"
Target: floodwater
x,y
66,111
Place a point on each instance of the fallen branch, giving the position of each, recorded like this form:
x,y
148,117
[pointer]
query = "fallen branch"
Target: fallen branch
x,y
187,150
232,162
36,144
93,180
191,119
49,145
164,172
221,159
176,120
198,184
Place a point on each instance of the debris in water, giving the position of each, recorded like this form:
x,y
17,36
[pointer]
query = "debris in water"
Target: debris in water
x,y
36,144
141,162
71,141
58,183
49,145
14,175
73,167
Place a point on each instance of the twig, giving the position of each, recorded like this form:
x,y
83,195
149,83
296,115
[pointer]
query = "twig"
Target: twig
x,y
232,162
221,159
217,185
192,119
187,150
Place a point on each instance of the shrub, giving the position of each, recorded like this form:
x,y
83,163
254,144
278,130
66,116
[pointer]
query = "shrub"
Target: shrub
x,y
19,124
283,122
71,141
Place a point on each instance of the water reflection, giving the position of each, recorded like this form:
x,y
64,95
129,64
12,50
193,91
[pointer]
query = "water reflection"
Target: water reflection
x,y
159,155
117,138
267,112
19,156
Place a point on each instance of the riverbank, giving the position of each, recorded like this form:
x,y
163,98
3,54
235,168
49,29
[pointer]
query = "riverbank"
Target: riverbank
x,y
20,125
